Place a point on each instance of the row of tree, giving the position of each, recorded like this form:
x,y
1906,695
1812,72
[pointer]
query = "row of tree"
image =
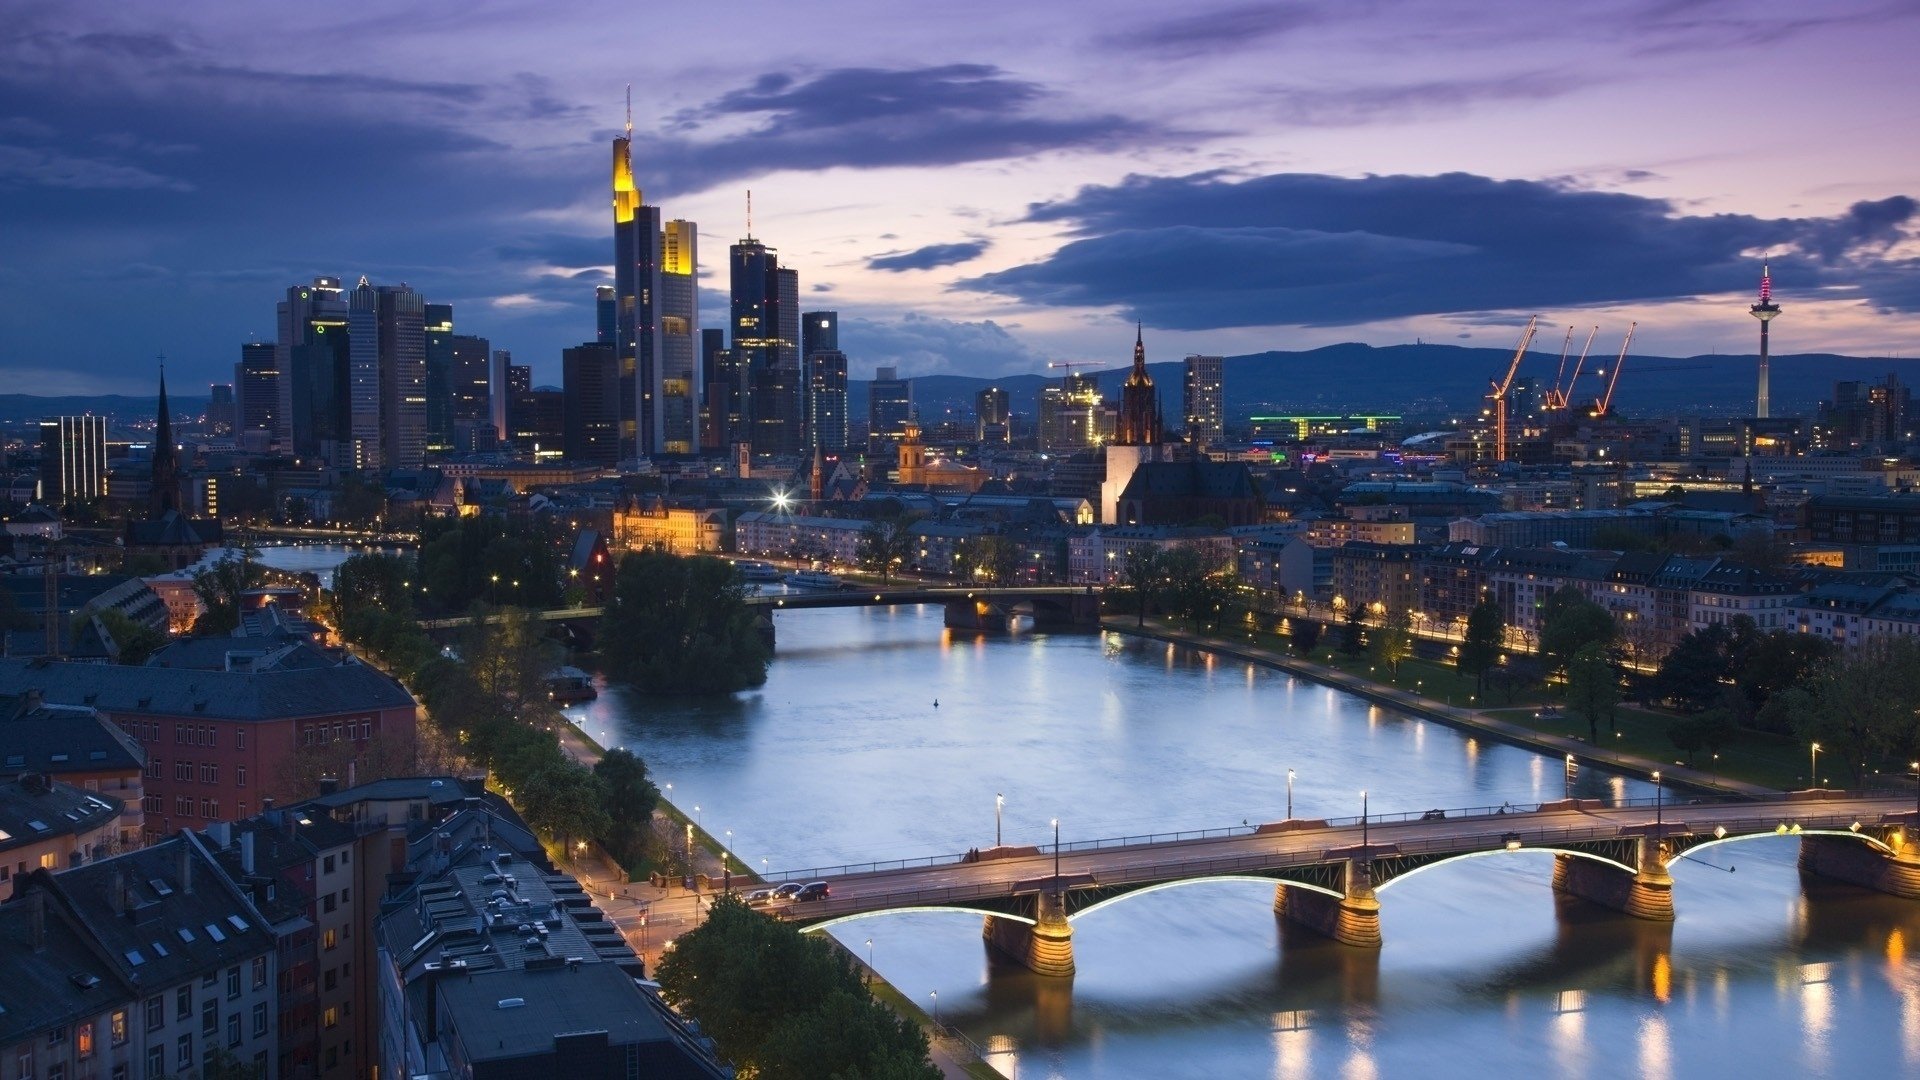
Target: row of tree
x,y
786,1006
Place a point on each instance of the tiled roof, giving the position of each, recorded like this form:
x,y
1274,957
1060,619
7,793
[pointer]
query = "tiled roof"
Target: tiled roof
x,y
272,695
64,739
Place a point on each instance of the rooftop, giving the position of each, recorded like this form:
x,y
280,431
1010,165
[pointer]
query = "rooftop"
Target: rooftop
x,y
34,809
64,739
225,695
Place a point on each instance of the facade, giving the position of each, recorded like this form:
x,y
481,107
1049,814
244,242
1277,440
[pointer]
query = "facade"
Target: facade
x,y
1377,577
76,746
1182,492
1073,415
770,533
472,392
827,401
311,348
220,412
1543,528
73,459
679,384
52,825
992,416
1100,557
889,406
590,374
499,391
363,445
218,742
387,377
636,283
766,347
258,382
637,524
725,394
438,385
1205,400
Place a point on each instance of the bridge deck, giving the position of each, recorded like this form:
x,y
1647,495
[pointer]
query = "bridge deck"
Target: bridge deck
x,y
955,883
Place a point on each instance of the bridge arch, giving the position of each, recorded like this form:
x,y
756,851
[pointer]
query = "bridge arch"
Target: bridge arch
x,y
1129,894
938,909
1540,849
1845,834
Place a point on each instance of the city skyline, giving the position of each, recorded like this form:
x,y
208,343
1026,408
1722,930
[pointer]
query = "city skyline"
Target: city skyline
x,y
976,196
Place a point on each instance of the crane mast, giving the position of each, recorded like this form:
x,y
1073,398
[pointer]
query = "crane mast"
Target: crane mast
x,y
1605,404
1561,396
1501,387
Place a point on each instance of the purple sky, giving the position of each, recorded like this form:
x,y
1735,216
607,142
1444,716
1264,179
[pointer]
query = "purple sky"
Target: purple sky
x,y
978,188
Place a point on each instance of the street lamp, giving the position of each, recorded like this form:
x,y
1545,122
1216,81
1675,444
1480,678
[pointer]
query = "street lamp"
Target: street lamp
x,y
1570,767
1915,766
689,850
1363,819
869,961
1056,855
1659,803
1289,794
496,590
935,994
1813,769
999,801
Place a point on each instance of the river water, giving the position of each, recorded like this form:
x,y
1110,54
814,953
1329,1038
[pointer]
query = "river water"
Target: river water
x,y
842,756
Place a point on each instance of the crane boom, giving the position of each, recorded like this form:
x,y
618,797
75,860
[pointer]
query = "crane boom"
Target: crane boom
x,y
1501,388
1562,396
1565,343
1606,403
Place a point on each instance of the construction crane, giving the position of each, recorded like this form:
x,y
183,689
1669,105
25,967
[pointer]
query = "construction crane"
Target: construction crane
x,y
1501,388
1558,397
1605,404
1070,365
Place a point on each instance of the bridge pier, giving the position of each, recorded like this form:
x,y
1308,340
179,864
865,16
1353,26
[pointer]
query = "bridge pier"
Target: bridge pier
x,y
1858,863
1645,894
1353,919
1044,947
976,615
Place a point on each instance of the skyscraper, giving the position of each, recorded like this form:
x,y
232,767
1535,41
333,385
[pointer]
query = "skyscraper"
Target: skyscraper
x,y
220,409
438,387
636,285
257,385
590,379
827,401
73,459
819,332
311,349
889,406
679,386
606,315
472,381
1205,404
387,403
765,302
723,395
992,416
1766,311
497,376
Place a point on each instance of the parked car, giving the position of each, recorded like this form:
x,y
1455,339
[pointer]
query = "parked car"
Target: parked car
x,y
814,890
1434,815
788,891
759,898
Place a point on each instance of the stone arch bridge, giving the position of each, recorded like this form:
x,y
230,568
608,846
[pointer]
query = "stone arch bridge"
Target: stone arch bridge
x,y
1328,875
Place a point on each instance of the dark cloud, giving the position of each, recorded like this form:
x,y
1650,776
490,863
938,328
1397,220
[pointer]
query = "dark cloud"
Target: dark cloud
x,y
929,257
1207,251
927,345
1322,106
869,118
1214,31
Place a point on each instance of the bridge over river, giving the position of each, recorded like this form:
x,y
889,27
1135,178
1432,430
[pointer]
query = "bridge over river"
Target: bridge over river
x,y
1328,874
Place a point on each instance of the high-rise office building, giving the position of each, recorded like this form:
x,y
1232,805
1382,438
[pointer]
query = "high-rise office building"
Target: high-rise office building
x,y
438,387
73,459
257,385
1072,415
220,409
519,377
889,406
992,416
677,391
387,373
590,378
1205,400
312,349
497,378
472,380
766,346
636,283
827,401
606,315
723,394
819,332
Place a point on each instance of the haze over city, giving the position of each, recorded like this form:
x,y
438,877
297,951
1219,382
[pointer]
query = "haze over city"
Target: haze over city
x,y
977,189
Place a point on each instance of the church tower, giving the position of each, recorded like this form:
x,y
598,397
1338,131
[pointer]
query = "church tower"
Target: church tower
x,y
1139,402
913,455
164,492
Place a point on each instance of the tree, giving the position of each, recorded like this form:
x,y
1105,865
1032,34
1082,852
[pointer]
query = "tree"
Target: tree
x,y
884,547
1353,640
1572,622
681,625
219,587
1781,660
995,559
135,641
373,581
1861,711
1593,687
1517,674
847,1035
1393,642
566,801
1306,635
1692,675
628,797
1480,648
1709,731
1144,574
1194,584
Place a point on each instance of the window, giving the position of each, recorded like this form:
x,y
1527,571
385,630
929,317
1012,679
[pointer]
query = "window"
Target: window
x,y
326,903
239,776
330,1018
330,939
326,865
156,1062
210,1017
117,1025
156,769
240,811
209,773
210,809
183,1058
56,1037
183,805
233,981
346,857
329,979
260,1019
259,972
153,804
233,1029
346,895
119,1072
183,770
156,1012
239,738
83,1040
183,1003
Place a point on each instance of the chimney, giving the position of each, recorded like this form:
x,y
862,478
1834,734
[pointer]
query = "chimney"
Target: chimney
x,y
117,895
37,919
186,867
246,852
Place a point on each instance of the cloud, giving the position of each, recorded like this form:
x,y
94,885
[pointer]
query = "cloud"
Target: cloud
x,y
1209,33
36,167
926,345
1208,251
1357,105
929,257
869,118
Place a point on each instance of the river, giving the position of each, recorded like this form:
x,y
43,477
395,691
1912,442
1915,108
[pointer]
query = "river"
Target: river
x,y
842,756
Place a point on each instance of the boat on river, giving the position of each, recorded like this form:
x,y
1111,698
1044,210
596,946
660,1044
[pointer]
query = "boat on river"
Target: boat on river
x,y
569,686
814,579
754,570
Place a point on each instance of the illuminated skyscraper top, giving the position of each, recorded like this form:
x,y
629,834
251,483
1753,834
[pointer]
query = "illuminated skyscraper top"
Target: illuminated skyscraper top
x,y
1766,310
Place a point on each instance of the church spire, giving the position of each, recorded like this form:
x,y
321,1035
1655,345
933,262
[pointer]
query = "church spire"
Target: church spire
x,y
164,492
1139,402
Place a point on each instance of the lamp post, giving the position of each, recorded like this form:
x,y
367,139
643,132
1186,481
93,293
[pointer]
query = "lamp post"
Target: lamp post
x,y
1570,767
1363,819
1056,855
726,867
869,961
1813,768
689,851
1659,803
1915,766
496,590
1289,794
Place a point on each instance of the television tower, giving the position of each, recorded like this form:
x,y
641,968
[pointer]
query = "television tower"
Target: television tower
x,y
1765,311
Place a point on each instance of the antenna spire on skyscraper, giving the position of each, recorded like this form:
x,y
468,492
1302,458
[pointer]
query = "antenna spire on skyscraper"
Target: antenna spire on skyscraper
x,y
1766,279
629,111
749,213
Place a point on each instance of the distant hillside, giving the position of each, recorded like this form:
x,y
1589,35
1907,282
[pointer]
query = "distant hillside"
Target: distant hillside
x,y
1434,379
120,408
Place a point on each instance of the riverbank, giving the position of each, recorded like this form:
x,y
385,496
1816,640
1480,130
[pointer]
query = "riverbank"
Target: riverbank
x,y
1508,731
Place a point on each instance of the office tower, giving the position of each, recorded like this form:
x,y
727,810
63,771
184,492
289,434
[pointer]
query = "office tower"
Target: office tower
x,y
73,459
792,388
220,409
387,374
992,416
312,349
889,406
723,394
497,377
677,393
606,315
827,401
819,332
1139,402
766,345
256,382
519,377
472,380
438,389
538,419
1071,414
1766,311
1205,404
590,422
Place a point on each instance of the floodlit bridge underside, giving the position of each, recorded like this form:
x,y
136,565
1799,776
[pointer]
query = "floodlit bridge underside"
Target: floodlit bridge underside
x,y
1614,862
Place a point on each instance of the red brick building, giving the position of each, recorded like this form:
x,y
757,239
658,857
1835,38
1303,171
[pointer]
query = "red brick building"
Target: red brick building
x,y
218,742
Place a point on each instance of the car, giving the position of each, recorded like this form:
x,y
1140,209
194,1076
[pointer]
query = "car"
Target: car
x,y
1434,815
814,890
759,898
788,891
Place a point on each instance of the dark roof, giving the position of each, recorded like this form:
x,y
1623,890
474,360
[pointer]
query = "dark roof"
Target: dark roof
x,y
521,1012
66,978
65,739
173,529
1195,479
276,652
271,695
33,809
435,790
73,591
